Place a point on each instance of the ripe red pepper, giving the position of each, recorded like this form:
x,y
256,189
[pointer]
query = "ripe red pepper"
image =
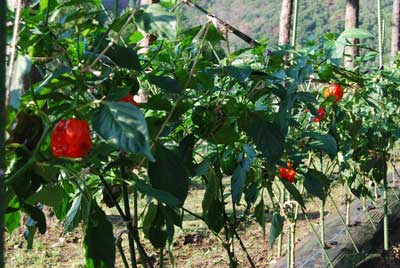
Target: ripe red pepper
x,y
334,90
321,115
129,98
71,138
288,173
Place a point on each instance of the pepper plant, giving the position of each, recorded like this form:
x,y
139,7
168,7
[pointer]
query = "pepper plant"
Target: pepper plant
x,y
91,113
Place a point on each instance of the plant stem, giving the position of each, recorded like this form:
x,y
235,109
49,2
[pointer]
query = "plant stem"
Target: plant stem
x,y
317,237
322,206
385,207
3,122
289,245
348,198
227,243
245,250
116,9
322,222
281,201
128,215
123,257
125,196
369,215
344,223
293,244
380,50
161,257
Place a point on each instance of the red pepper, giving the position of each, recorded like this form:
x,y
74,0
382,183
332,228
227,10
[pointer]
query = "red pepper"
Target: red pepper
x,y
288,173
71,138
321,115
334,90
129,98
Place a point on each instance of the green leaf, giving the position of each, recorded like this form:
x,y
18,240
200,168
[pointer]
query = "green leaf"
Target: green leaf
x,y
240,73
123,125
322,142
151,213
340,43
119,22
186,151
47,5
12,218
37,215
276,228
265,135
135,37
212,206
259,213
156,19
356,33
316,184
79,210
239,175
31,234
50,195
168,173
214,216
162,196
170,85
238,180
295,194
306,97
99,242
213,34
157,233
227,134
125,57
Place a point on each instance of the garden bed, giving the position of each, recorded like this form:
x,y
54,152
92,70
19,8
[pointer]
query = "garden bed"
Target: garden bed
x,y
368,240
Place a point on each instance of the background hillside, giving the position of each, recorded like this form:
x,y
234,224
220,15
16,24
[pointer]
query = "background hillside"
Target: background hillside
x,y
260,18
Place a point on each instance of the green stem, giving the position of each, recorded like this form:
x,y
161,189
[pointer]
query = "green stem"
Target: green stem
x,y
322,206
227,231
245,250
385,207
369,215
121,252
289,245
322,222
380,49
293,244
3,122
344,224
116,9
281,201
317,237
125,196
348,199
161,257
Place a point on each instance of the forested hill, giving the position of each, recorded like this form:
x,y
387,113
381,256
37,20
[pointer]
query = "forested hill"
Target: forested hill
x,y
260,18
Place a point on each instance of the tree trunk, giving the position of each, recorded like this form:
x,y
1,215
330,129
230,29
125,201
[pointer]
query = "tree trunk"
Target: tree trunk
x,y
284,26
352,14
395,28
